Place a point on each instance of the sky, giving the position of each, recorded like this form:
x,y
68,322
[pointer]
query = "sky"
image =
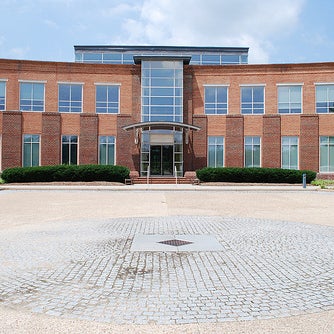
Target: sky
x,y
280,31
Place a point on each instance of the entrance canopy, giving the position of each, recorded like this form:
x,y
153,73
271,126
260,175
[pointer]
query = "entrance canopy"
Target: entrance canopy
x,y
161,125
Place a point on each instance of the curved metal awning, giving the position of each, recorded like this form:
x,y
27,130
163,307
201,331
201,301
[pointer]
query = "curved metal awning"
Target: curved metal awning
x,y
161,125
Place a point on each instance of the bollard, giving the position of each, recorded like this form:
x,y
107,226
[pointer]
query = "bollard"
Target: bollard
x,y
304,181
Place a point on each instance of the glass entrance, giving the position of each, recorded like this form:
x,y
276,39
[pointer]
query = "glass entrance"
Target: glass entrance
x,y
161,160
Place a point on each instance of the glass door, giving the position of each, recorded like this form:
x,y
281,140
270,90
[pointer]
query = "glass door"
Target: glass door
x,y
161,160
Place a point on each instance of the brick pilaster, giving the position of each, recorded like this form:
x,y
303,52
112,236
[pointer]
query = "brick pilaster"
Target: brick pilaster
x,y
234,141
271,141
88,141
199,143
309,142
11,139
50,139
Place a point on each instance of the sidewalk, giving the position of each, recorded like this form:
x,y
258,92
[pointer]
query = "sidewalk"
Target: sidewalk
x,y
160,187
67,264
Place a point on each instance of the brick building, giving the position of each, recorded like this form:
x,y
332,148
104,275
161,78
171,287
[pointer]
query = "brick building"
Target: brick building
x,y
166,111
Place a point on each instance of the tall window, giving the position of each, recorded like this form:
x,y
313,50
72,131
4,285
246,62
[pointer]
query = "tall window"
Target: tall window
x,y
69,150
215,100
107,150
325,99
107,99
252,152
289,99
70,98
252,100
31,96
2,95
215,151
326,154
31,150
290,152
162,91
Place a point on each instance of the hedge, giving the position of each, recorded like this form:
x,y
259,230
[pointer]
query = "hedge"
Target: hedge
x,y
84,173
254,175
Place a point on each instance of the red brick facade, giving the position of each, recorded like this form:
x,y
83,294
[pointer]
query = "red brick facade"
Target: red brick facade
x,y
89,125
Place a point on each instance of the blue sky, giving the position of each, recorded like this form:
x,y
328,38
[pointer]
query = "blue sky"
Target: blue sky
x,y
280,31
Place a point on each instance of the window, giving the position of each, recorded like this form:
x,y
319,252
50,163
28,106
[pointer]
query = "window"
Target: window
x,y
215,151
162,91
69,150
31,96
70,98
289,99
107,150
290,152
326,154
31,150
252,152
215,100
252,100
2,95
325,99
107,99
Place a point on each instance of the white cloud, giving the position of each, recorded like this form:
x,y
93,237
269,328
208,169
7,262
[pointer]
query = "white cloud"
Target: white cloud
x,y
250,23
120,9
51,24
19,52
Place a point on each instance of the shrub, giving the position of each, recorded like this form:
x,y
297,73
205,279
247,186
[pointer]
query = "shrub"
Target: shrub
x,y
84,173
254,175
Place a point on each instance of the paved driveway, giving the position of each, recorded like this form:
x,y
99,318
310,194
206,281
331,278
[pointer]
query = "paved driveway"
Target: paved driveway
x,y
158,261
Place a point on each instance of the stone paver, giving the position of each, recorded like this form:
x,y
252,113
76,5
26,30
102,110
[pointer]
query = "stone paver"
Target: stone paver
x,y
85,269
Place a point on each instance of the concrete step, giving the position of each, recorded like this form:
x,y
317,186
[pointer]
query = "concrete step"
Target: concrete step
x,y
161,180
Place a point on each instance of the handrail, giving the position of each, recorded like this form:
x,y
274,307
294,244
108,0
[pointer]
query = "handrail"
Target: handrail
x,y
148,174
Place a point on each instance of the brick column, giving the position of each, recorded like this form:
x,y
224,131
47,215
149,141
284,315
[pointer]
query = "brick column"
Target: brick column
x,y
199,143
271,141
127,153
234,141
309,142
50,139
187,95
88,145
188,152
11,139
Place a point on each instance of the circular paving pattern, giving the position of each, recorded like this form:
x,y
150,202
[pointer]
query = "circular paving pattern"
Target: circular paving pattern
x,y
89,270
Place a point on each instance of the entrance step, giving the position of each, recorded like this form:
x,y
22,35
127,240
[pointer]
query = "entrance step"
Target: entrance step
x,y
161,180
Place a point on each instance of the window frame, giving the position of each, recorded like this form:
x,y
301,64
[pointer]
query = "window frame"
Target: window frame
x,y
263,86
289,85
5,93
118,85
107,154
290,145
324,84
31,142
253,151
329,144
70,107
215,145
32,82
69,154
158,78
216,109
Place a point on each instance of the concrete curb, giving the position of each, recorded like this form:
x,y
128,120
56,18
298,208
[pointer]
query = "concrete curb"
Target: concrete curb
x,y
161,187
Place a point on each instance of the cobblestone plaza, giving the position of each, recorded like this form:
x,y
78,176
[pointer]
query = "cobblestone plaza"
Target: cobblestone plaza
x,y
91,269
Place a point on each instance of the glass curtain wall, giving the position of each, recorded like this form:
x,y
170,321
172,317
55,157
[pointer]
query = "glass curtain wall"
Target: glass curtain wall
x,y
162,101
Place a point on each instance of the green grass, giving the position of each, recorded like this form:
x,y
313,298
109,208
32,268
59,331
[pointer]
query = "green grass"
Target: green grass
x,y
323,184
